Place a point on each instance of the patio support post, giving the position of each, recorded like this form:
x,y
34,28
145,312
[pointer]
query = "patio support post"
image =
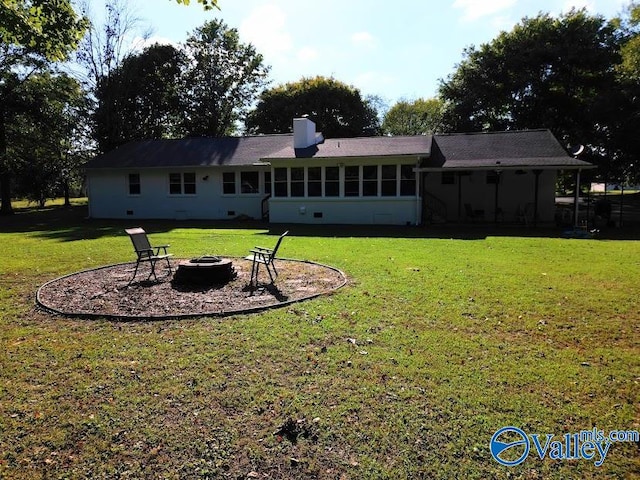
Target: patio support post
x,y
536,195
576,199
459,196
495,208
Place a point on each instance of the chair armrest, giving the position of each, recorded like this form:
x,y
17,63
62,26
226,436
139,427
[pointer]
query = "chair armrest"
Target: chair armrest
x,y
264,248
163,247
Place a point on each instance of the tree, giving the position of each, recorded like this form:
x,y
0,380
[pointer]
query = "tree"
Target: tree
x,y
207,4
145,93
555,73
337,108
46,136
32,33
413,118
221,80
50,28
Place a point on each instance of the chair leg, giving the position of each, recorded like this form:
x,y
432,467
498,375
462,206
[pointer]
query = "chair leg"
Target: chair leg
x,y
254,274
269,272
153,270
135,272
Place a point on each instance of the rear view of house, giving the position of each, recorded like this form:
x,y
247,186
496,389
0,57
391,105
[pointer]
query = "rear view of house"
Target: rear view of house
x,y
304,178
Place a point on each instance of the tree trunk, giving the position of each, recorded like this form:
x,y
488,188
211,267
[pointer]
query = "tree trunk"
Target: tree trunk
x,y
5,176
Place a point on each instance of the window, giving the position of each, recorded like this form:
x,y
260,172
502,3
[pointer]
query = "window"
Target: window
x,y
134,184
351,181
267,183
249,182
448,178
297,181
389,186
182,183
175,184
314,181
407,180
370,180
332,181
280,182
189,183
229,183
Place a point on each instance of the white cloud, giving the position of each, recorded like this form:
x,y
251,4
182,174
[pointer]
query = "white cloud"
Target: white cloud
x,y
364,39
474,9
265,28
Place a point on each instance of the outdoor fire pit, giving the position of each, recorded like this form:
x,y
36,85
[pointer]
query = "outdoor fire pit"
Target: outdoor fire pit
x,y
206,270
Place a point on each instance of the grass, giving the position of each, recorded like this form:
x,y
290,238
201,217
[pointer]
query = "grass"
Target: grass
x,y
435,344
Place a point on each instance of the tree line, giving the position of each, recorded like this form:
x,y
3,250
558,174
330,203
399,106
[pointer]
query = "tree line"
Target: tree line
x,y
577,74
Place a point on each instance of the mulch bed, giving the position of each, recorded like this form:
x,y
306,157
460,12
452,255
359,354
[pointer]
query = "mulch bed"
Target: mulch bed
x,y
103,292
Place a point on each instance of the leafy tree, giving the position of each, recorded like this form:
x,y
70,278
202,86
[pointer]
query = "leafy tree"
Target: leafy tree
x,y
207,4
32,33
46,136
221,80
144,91
337,108
49,28
555,73
413,118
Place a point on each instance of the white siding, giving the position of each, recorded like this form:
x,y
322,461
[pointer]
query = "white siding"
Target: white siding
x,y
109,196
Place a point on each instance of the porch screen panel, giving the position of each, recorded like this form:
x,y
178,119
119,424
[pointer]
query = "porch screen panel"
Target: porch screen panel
x,y
280,182
314,181
351,181
332,181
297,181
389,185
407,180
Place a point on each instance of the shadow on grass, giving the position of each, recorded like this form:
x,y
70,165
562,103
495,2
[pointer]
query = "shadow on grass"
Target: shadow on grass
x,y
67,224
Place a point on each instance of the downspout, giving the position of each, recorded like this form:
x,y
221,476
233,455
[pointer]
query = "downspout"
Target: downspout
x,y
576,199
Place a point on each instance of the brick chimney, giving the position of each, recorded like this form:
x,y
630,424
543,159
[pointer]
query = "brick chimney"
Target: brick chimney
x,y
304,133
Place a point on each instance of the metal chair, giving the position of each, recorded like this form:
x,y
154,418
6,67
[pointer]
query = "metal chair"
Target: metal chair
x,y
264,256
146,252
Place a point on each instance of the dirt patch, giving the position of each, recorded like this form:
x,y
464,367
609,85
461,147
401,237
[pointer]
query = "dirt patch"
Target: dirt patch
x,y
104,292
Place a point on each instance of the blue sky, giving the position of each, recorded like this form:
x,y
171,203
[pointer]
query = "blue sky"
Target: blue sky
x,y
396,49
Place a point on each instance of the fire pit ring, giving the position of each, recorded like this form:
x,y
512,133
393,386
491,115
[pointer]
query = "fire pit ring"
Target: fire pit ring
x,y
205,270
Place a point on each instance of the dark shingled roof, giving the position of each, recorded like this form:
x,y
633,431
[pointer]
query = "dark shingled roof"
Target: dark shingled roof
x,y
518,149
527,148
419,145
191,152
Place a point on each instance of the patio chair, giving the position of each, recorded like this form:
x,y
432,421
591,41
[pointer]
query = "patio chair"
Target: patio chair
x,y
264,256
146,252
472,214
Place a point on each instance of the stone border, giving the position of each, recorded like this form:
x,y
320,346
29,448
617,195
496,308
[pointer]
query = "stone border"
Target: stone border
x,y
219,314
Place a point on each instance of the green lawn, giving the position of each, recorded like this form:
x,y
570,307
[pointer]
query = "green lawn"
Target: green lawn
x,y
434,345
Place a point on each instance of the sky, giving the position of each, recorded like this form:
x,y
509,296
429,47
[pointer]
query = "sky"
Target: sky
x,y
394,49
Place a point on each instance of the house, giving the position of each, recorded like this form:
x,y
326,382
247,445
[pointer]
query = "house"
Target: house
x,y
303,178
